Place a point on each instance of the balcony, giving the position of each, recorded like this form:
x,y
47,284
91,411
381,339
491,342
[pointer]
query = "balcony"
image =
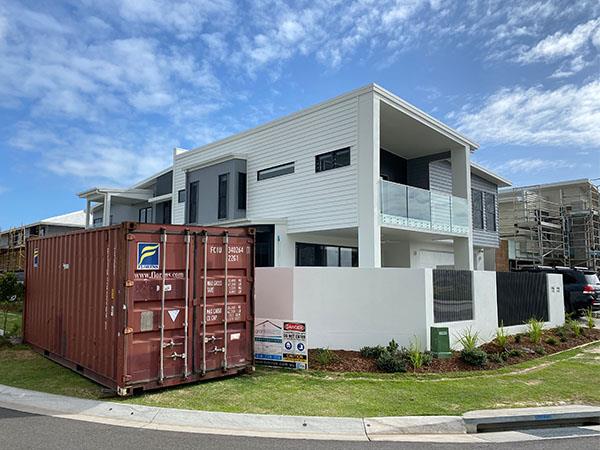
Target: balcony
x,y
419,209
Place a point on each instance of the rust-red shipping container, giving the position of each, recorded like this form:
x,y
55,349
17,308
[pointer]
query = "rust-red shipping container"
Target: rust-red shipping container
x,y
141,306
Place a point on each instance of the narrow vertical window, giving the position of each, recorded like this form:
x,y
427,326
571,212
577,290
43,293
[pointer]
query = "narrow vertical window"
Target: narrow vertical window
x,y
223,182
241,190
490,211
477,205
193,202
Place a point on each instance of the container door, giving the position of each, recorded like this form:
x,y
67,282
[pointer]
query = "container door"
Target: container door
x,y
158,341
223,295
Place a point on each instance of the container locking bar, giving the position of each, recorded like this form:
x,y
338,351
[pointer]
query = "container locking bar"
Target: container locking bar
x,y
187,300
225,309
205,273
163,240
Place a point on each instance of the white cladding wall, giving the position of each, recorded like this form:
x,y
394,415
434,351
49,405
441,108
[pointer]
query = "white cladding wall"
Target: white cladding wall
x,y
300,197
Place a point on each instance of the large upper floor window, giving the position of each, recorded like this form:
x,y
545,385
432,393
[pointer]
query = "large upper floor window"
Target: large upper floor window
x,y
484,210
222,197
276,171
332,160
145,215
326,255
192,202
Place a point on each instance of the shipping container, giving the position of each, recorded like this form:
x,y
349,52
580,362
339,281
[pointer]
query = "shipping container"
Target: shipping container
x,y
142,306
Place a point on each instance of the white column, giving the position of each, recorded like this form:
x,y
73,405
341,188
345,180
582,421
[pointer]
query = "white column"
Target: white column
x,y
88,212
106,210
369,230
461,187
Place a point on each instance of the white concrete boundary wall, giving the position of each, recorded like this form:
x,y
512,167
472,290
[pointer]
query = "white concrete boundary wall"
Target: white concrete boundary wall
x,y
348,308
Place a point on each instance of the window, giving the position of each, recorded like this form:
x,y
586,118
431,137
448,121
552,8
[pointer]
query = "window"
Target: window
x,y
490,211
181,196
193,202
326,255
166,212
332,160
145,215
241,190
477,201
276,171
223,182
98,222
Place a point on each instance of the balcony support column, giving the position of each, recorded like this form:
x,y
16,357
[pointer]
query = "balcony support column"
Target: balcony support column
x,y
106,210
461,187
369,229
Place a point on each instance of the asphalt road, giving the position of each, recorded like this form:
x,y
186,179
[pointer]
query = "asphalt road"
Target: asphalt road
x,y
25,431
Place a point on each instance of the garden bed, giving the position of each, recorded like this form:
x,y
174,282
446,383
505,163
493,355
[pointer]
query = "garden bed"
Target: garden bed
x,y
519,348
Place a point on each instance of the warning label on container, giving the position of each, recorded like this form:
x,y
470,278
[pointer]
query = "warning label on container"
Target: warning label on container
x,y
280,343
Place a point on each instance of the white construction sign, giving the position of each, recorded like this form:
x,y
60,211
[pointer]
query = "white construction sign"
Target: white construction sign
x,y
280,343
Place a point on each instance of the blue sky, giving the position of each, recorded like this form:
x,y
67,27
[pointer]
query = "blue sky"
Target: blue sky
x,y
99,93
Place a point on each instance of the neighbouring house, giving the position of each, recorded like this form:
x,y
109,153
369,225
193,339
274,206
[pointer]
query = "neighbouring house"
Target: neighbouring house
x,y
364,179
12,240
552,224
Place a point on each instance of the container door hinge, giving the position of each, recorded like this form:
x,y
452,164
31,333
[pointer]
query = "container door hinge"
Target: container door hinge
x,y
130,237
126,378
128,283
128,330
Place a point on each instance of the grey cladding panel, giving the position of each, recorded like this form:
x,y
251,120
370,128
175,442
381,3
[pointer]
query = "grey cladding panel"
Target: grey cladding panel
x,y
208,190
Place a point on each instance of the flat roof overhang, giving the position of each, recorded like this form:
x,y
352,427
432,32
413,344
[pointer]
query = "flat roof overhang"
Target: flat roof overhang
x,y
125,195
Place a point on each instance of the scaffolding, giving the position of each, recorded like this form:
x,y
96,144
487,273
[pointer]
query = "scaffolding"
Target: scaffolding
x,y
555,225
12,250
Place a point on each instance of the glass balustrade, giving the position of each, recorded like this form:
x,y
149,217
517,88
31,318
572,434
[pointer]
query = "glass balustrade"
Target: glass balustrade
x,y
420,209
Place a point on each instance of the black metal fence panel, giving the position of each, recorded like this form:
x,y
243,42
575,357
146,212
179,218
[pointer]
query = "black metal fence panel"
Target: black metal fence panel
x,y
521,296
452,295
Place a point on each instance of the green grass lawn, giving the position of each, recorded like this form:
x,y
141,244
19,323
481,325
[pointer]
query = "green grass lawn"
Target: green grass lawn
x,y
570,377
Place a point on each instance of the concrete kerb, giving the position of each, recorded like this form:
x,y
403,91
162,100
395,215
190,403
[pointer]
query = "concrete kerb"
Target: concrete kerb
x,y
429,428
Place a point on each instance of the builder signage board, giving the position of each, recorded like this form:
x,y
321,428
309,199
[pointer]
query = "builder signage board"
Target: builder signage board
x,y
281,343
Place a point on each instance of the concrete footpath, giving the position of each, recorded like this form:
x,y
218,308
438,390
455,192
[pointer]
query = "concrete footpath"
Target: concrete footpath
x,y
415,428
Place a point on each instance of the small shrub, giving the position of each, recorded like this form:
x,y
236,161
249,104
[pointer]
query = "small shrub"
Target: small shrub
x,y
324,356
391,362
372,352
496,358
515,352
563,338
540,350
501,337
534,329
518,338
551,340
505,355
474,357
392,347
427,358
589,318
415,355
468,339
575,327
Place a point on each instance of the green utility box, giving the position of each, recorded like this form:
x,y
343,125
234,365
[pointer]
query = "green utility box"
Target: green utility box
x,y
440,342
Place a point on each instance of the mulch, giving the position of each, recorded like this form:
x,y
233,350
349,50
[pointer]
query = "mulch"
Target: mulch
x,y
353,361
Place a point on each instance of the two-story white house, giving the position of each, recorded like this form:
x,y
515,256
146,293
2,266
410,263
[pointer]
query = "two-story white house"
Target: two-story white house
x,y
364,179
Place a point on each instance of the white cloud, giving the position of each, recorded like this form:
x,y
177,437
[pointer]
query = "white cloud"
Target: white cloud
x,y
562,44
567,116
533,165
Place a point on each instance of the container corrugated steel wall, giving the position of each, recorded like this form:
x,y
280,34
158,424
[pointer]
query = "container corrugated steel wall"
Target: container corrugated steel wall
x,y
94,301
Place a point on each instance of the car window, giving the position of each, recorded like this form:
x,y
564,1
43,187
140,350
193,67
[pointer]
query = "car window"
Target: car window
x,y
592,278
569,279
